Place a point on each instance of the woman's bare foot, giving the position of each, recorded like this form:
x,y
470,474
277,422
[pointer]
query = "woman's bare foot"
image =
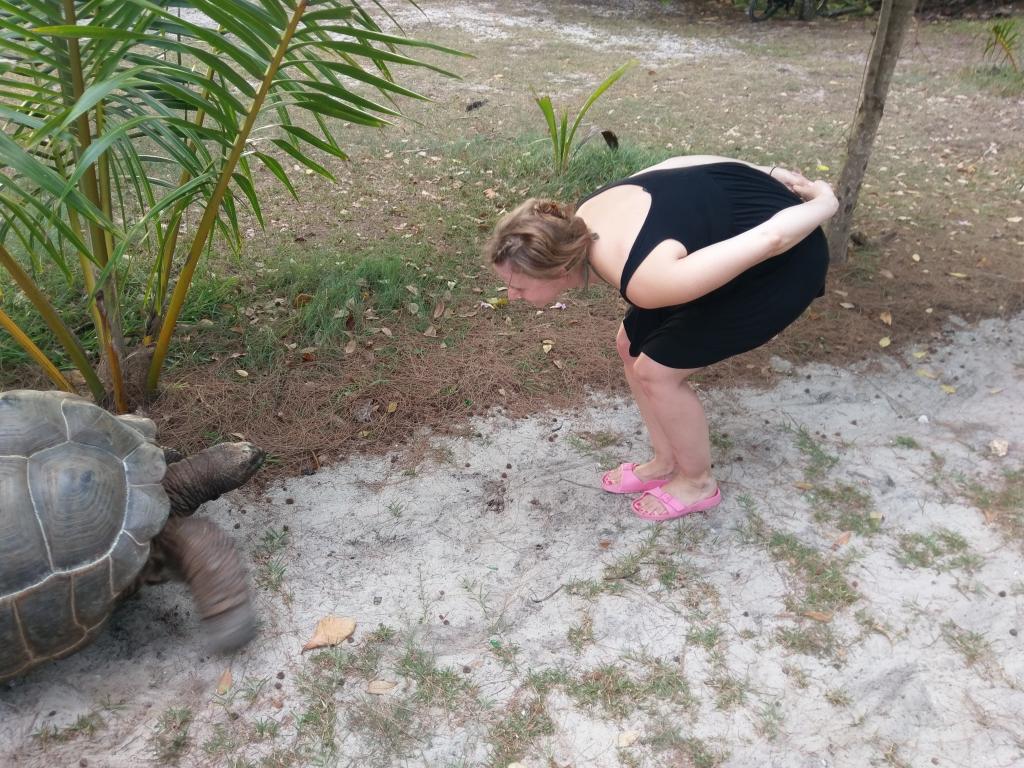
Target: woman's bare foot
x,y
685,490
651,470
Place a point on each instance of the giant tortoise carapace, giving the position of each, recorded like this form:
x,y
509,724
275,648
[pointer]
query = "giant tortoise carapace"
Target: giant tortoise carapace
x,y
88,507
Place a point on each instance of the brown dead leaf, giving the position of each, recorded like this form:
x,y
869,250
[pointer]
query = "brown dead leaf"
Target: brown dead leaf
x,y
301,300
392,406
431,332
949,389
886,317
558,364
224,682
386,331
804,486
379,687
884,342
330,630
823,616
350,347
547,345
842,539
242,373
846,305
886,274
490,194
438,310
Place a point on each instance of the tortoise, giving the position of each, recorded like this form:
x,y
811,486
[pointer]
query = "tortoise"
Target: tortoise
x,y
90,507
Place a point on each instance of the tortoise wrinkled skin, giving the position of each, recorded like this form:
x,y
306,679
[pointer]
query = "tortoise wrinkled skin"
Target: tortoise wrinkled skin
x,y
81,502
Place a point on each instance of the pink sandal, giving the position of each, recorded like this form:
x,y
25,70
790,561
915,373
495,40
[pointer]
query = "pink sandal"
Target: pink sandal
x,y
628,481
674,507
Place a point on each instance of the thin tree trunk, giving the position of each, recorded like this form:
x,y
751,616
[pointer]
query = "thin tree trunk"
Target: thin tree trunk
x,y
893,21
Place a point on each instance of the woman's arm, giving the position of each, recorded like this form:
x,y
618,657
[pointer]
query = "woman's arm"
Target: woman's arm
x,y
670,276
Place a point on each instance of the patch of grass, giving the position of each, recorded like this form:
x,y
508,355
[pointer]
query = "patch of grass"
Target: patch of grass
x,y
730,691
270,569
170,737
797,675
825,586
941,550
721,442
613,689
84,725
220,742
441,686
819,462
906,442
505,653
1003,505
846,507
389,727
1002,81
684,750
812,639
837,697
580,635
544,681
971,645
521,726
266,728
705,637
770,720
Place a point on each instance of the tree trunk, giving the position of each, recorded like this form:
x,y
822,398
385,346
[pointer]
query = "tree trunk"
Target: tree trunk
x,y
893,21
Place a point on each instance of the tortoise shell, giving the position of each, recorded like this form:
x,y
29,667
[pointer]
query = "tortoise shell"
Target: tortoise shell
x,y
80,500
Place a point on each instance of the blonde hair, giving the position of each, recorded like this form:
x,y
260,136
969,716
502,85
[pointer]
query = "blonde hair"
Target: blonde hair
x,y
542,239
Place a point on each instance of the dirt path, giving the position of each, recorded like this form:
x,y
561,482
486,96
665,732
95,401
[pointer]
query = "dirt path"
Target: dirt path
x,y
531,617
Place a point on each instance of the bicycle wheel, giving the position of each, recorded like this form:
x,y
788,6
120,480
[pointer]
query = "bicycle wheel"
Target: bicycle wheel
x,y
759,10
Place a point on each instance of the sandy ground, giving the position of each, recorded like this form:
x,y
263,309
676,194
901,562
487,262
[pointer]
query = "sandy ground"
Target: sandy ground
x,y
923,666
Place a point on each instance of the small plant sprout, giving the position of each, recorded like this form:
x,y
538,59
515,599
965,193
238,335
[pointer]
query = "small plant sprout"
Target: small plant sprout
x,y
562,135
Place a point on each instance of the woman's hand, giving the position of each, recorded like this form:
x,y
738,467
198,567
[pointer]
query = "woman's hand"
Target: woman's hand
x,y
801,185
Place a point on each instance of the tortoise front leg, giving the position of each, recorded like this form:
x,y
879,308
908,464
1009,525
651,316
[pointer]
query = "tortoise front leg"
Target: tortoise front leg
x,y
208,562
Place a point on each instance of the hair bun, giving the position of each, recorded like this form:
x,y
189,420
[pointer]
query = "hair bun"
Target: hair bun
x,y
549,208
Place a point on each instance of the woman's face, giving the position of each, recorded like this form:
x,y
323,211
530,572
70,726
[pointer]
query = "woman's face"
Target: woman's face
x,y
537,291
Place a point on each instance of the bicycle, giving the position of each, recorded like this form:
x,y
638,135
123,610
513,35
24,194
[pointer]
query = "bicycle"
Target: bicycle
x,y
759,10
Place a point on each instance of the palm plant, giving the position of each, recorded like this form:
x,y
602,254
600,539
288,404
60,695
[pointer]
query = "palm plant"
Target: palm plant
x,y
1001,42
561,135
122,119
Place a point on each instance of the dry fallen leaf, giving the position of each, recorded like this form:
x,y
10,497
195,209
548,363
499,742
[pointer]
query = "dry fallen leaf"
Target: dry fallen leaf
x,y
224,682
547,345
1014,219
558,364
915,256
386,331
431,332
949,389
924,373
999,447
379,687
330,630
886,274
302,300
884,342
438,310
350,347
243,373
822,616
842,539
961,275
919,354
846,305
804,486
490,194
886,317
627,739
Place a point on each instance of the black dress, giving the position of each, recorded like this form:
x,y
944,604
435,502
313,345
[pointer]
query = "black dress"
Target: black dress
x,y
701,205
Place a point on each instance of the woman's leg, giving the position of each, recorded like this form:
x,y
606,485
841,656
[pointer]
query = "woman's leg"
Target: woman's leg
x,y
679,416
661,464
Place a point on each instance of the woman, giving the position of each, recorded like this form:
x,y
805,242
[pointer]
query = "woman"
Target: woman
x,y
714,257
